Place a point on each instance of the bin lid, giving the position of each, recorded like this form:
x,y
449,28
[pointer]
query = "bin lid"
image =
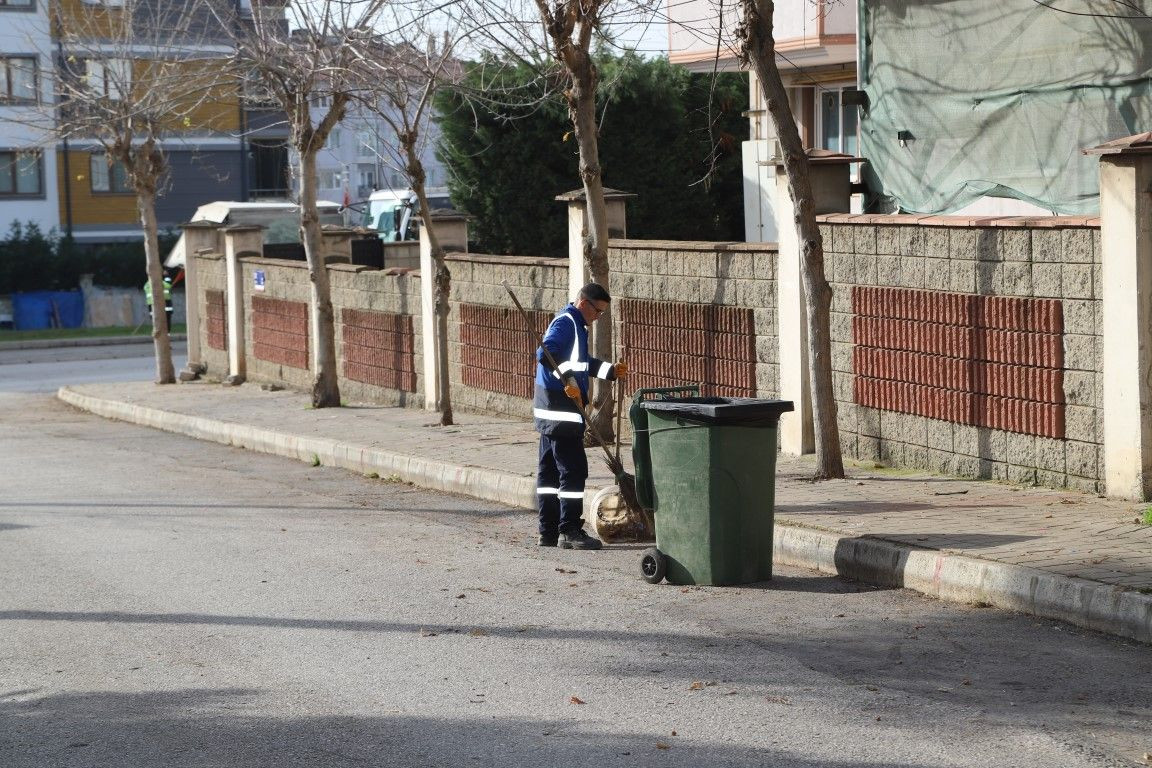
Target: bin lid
x,y
723,411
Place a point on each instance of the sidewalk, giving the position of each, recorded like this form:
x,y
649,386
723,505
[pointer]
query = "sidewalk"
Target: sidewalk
x,y
84,341
1061,555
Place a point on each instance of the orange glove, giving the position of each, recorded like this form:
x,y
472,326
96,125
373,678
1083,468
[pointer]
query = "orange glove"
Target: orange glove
x,y
621,369
573,392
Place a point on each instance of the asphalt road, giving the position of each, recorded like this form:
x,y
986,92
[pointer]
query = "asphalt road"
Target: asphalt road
x,y
188,605
46,370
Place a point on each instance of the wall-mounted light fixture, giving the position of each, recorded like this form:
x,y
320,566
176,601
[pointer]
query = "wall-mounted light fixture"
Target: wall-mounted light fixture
x,y
904,137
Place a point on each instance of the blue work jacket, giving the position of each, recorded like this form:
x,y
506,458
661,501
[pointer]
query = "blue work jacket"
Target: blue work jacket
x,y
567,342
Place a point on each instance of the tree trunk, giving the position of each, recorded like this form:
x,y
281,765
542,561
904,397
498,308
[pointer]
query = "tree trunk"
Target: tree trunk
x,y
161,340
759,49
325,386
582,111
443,278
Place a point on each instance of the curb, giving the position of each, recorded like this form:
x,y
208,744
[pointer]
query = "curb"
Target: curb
x,y
939,574
97,341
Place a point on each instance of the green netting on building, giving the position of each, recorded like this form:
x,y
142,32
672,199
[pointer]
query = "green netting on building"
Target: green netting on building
x,y
999,98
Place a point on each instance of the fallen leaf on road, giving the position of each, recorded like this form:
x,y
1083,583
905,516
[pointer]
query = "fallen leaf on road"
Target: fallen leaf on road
x,y
696,686
778,699
427,633
460,596
662,745
478,633
576,700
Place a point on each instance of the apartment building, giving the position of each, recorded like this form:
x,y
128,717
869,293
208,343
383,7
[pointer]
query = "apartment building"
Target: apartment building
x,y
27,159
221,148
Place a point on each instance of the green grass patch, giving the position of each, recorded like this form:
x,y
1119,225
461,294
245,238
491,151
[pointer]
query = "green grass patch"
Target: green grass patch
x,y
83,333
1146,518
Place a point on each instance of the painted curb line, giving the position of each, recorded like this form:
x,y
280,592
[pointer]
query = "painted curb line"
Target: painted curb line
x,y
946,576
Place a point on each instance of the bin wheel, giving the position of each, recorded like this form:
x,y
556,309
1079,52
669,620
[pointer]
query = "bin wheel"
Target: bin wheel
x,y
653,565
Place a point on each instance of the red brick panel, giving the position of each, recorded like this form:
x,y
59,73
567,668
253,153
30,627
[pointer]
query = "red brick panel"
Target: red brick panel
x,y
991,361
379,349
497,354
670,344
217,319
280,331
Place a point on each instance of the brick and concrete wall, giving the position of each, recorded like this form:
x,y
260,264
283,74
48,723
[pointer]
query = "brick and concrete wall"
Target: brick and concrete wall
x,y
969,347
962,346
378,334
276,330
212,290
490,355
692,313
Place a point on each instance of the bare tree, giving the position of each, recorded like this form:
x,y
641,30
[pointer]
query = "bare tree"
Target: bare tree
x,y
132,80
759,51
572,29
295,54
397,84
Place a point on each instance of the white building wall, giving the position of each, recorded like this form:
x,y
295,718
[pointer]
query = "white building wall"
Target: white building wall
x,y
25,32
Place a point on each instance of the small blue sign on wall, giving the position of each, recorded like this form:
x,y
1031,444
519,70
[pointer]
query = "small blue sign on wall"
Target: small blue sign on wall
x,y
258,279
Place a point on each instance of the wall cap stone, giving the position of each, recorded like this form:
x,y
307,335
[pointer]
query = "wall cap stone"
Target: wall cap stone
x,y
912,219
691,245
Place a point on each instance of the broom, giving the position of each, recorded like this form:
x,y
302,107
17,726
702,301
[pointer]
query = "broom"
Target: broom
x,y
624,481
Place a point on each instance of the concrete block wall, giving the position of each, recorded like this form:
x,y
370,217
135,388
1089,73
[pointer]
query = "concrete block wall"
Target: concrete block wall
x,y
1052,262
212,284
738,277
395,294
284,281
480,368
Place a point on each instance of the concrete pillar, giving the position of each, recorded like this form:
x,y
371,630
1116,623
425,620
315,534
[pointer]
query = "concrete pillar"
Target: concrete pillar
x,y
831,190
614,199
1126,236
238,240
452,232
336,245
198,236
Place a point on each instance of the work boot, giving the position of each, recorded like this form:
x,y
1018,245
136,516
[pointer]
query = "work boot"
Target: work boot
x,y
544,540
579,540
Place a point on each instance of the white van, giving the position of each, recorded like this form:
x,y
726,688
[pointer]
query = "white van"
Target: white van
x,y
392,213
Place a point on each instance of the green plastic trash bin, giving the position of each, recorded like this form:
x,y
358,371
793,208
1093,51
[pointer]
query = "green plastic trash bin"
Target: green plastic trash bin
x,y
714,485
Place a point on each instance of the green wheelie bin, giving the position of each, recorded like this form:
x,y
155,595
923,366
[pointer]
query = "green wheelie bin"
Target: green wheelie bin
x,y
713,476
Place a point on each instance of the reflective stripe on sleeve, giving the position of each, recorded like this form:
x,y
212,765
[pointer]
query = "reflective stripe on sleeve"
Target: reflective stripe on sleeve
x,y
571,494
605,369
541,413
547,491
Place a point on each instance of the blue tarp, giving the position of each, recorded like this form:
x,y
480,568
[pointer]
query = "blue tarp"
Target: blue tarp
x,y
47,309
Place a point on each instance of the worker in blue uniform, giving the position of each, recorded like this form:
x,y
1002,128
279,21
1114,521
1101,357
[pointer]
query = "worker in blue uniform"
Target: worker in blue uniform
x,y
563,466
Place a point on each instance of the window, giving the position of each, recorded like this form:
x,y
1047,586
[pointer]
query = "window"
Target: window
x,y
320,102
18,79
109,77
366,142
838,122
330,179
15,4
21,173
108,177
333,141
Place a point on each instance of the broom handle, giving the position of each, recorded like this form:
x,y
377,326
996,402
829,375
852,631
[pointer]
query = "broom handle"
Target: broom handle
x,y
613,463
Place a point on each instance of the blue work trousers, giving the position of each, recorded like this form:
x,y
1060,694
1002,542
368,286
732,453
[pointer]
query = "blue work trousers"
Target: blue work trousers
x,y
560,478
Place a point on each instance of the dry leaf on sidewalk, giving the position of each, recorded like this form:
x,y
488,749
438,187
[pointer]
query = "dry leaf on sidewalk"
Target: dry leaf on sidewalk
x,y
576,700
696,686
